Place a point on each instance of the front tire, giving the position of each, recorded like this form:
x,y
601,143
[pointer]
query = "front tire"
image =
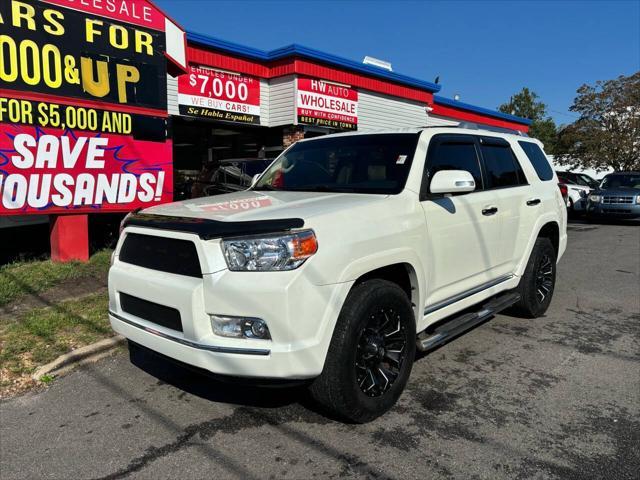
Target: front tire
x,y
371,353
538,282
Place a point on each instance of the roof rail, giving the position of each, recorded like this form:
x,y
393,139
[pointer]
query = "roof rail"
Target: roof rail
x,y
477,126
491,128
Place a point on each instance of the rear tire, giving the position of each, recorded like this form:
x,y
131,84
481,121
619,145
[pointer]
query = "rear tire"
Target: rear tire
x,y
371,353
538,282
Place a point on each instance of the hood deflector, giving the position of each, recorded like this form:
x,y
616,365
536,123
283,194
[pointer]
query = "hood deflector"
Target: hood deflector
x,y
207,229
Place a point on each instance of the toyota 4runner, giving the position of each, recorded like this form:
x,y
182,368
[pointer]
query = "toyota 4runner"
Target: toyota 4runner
x,y
346,255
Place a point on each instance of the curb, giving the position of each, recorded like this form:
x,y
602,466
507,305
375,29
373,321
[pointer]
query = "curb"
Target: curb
x,y
80,356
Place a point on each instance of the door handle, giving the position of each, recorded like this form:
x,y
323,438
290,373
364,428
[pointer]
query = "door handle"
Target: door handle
x,y
533,201
489,211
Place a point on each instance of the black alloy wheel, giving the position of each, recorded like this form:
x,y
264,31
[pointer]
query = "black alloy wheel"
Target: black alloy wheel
x,y
538,282
380,352
371,353
544,278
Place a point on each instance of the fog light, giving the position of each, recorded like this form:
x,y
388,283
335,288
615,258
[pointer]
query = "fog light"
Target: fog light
x,y
239,327
256,329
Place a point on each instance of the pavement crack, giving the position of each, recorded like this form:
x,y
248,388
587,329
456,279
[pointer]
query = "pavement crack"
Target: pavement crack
x,y
238,420
241,419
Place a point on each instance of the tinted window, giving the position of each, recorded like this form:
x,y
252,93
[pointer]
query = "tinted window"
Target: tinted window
x,y
501,167
621,181
447,155
538,159
352,163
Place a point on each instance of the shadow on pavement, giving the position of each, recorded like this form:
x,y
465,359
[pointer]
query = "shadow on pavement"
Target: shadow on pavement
x,y
217,388
583,220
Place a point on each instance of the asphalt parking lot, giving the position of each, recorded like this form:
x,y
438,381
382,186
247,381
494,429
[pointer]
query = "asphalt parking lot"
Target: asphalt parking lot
x,y
556,397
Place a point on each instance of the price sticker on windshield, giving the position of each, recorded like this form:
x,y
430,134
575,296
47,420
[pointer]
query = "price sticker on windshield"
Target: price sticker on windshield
x,y
401,159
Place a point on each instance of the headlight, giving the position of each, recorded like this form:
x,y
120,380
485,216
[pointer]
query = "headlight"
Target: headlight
x,y
638,199
594,198
269,252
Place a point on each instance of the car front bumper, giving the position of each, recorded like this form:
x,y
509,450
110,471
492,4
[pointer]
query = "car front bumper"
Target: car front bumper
x,y
300,316
622,210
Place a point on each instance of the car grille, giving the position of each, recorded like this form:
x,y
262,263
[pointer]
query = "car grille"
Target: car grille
x,y
616,200
153,312
169,255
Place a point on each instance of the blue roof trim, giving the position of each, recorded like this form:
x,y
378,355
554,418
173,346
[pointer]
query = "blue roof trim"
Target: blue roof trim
x,y
484,111
301,51
249,52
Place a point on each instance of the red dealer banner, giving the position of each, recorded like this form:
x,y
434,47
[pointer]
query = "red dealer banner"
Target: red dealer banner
x,y
137,12
83,106
326,104
43,171
219,95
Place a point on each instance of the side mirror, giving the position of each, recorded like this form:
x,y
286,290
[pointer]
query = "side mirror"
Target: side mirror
x,y
452,181
255,178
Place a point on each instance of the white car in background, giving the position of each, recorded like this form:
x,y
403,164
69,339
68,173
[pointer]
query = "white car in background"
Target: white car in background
x,y
579,186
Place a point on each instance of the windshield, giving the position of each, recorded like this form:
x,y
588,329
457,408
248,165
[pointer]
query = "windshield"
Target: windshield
x,y
351,163
586,180
621,181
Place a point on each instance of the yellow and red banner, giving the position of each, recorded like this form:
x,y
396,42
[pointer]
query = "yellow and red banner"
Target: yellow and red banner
x,y
83,106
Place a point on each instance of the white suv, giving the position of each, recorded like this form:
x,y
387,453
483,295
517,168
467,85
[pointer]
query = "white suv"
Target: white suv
x,y
348,253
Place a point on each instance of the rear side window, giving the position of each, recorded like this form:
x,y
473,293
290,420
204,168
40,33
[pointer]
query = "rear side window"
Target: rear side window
x,y
538,159
455,155
501,166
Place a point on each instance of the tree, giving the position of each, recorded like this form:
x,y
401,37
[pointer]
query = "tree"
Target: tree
x,y
526,104
607,134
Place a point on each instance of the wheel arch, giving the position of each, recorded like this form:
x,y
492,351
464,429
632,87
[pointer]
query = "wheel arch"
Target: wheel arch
x,y
402,274
547,227
551,230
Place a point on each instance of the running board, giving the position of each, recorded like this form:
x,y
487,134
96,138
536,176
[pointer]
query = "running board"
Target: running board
x,y
457,325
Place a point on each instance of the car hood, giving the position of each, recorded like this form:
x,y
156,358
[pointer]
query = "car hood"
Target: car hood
x,y
261,205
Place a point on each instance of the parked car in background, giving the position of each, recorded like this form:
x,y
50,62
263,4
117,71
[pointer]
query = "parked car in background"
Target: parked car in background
x,y
579,186
618,196
558,166
223,176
